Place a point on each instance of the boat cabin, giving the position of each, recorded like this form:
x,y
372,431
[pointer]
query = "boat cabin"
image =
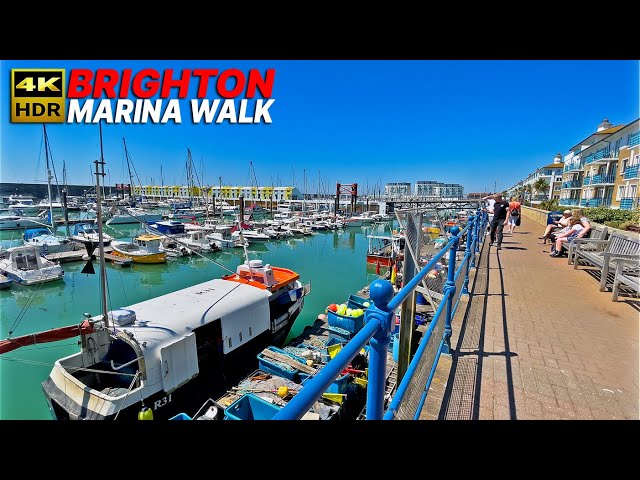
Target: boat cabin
x,y
32,233
148,242
169,227
26,258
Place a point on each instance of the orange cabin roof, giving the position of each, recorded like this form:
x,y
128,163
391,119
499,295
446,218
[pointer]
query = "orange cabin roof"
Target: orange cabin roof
x,y
283,276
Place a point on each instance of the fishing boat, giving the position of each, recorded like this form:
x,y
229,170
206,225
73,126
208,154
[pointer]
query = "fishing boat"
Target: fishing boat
x,y
169,354
144,248
383,250
86,232
47,242
25,265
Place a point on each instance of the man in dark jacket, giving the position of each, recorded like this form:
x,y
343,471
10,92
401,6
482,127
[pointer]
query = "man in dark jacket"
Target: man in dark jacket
x,y
500,219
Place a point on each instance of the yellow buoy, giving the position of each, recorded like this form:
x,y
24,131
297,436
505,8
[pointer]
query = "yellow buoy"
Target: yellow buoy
x,y
310,363
145,414
283,391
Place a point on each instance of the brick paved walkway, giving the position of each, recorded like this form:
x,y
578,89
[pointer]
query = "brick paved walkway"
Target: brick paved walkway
x,y
538,340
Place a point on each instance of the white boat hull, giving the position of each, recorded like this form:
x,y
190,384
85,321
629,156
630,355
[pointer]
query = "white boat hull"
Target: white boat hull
x,y
32,277
19,223
124,219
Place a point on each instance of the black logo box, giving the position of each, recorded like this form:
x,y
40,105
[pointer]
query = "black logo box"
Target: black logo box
x,y
36,74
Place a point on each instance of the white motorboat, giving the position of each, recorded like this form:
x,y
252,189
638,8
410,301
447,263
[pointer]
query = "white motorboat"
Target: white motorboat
x,y
87,232
252,235
134,215
46,242
197,241
17,222
24,264
223,237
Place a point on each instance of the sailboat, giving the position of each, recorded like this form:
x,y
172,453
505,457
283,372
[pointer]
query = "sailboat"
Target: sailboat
x,y
43,238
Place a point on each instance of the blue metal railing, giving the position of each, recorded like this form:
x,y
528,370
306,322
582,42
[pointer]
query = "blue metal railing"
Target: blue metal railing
x,y
596,202
569,201
635,139
631,172
603,179
572,184
379,321
586,180
629,203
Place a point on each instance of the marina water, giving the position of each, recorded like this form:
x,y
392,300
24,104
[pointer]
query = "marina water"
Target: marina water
x,y
333,261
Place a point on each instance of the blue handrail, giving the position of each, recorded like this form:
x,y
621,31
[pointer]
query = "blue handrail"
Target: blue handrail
x,y
377,330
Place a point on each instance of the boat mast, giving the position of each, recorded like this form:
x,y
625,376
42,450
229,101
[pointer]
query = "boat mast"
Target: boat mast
x,y
126,154
221,211
103,270
49,177
304,195
64,198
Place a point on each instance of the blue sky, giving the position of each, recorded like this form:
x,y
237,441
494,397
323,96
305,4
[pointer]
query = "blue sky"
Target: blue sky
x,y
477,123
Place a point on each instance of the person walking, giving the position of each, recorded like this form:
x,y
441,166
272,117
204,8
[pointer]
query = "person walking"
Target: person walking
x,y
490,199
500,219
514,215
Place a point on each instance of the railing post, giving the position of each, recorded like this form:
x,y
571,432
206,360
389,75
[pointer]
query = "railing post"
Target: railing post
x,y
450,285
471,238
381,292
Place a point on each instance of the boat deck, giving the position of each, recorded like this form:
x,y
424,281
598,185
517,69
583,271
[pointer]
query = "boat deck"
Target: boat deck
x,y
343,400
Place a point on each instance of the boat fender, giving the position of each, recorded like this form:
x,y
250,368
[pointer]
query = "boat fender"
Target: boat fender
x,y
145,413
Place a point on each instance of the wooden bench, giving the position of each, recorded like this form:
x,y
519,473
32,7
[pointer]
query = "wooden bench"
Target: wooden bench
x,y
627,274
598,232
605,253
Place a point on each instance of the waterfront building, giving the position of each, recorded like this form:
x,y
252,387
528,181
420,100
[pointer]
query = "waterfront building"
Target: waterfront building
x,y
594,172
178,192
550,173
397,189
434,189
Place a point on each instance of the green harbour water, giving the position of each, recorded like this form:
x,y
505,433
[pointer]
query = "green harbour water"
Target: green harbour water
x,y
334,263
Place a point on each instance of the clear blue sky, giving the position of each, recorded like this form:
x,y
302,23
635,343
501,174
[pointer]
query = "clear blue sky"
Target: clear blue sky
x,y
470,122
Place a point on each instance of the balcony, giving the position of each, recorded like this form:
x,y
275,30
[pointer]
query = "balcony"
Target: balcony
x,y
572,167
631,172
586,181
601,156
603,179
569,201
596,202
634,140
572,184
629,203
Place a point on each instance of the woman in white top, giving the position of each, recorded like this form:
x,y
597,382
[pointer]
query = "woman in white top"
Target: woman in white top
x,y
558,226
575,229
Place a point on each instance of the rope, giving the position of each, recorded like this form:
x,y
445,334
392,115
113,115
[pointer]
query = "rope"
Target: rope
x,y
70,368
128,392
175,239
28,303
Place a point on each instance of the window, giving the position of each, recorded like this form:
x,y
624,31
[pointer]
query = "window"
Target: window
x,y
636,160
625,164
620,194
633,191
